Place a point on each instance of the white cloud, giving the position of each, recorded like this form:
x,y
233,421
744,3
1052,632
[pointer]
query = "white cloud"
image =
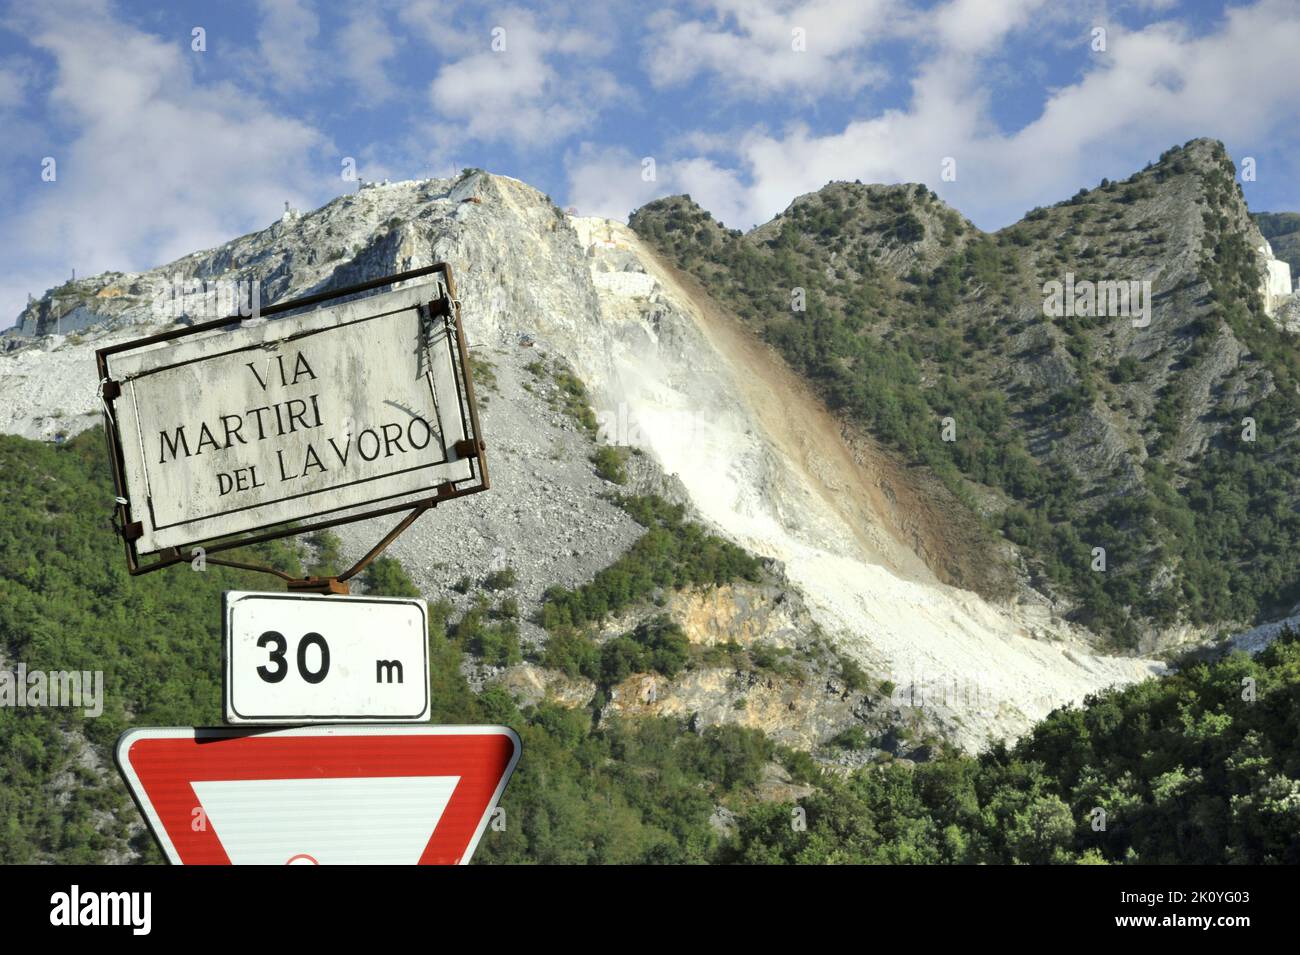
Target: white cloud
x,y
286,56
155,166
1153,88
15,85
749,46
438,23
1238,82
976,26
608,182
702,177
366,45
531,90
162,164
898,145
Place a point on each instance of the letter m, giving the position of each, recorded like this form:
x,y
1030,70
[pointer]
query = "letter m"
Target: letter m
x,y
115,908
166,443
385,669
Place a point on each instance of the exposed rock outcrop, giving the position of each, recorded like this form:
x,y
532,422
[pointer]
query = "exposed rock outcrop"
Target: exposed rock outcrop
x,y
719,419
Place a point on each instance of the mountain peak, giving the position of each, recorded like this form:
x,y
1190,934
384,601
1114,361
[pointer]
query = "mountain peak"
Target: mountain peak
x,y
904,316
352,237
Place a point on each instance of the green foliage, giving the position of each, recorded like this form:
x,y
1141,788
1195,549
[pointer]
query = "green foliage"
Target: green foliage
x,y
776,660
386,577
907,228
636,791
1125,370
898,354
658,646
68,603
574,399
611,463
877,379
632,791
855,737
484,372
572,652
502,579
1199,767
569,396
1202,767
673,552
325,547
494,641
854,677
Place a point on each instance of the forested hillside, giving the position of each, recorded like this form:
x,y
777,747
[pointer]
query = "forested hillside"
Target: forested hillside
x,y
1201,766
1166,438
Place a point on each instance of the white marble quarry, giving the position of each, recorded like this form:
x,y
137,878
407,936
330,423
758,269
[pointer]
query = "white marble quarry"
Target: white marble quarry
x,y
1277,281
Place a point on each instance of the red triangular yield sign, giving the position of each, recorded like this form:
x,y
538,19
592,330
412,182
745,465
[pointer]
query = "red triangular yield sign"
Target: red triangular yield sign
x,y
321,794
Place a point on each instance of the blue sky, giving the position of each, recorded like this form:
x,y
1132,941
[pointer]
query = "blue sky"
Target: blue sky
x,y
160,148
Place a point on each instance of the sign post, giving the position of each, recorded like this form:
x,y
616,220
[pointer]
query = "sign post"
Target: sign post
x,y
229,434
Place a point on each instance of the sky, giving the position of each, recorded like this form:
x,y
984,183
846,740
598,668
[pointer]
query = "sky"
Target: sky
x,y
134,133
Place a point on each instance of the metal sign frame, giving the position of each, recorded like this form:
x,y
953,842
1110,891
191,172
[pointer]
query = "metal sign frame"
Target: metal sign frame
x,y
471,448
229,601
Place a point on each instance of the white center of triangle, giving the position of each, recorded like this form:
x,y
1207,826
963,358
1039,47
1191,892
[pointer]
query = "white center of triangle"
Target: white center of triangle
x,y
379,820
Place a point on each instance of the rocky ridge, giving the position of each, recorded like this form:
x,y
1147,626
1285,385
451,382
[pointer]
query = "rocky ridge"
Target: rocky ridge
x,y
721,424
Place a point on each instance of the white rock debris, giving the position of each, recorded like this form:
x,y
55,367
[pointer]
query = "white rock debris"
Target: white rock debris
x,y
760,460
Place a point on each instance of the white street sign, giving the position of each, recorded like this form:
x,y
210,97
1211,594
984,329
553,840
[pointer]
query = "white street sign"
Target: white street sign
x,y
302,658
234,430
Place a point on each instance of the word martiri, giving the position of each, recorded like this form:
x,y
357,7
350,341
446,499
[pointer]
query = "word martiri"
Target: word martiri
x,y
280,419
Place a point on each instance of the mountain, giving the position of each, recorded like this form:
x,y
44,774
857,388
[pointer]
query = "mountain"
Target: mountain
x,y
584,339
1159,427
1200,766
726,543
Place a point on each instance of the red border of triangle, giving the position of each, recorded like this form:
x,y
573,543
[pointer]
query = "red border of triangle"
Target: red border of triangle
x,y
168,768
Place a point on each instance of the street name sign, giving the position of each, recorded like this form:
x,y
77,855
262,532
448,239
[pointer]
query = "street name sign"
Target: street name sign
x,y
363,406
323,795
302,658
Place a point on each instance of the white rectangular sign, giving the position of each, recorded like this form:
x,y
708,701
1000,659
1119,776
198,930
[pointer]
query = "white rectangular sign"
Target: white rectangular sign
x,y
241,429
302,658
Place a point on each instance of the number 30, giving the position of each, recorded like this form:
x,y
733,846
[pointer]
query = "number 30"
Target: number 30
x,y
279,645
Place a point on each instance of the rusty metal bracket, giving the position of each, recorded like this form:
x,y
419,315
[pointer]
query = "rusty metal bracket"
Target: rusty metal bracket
x,y
441,307
468,447
260,568
329,586
382,546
